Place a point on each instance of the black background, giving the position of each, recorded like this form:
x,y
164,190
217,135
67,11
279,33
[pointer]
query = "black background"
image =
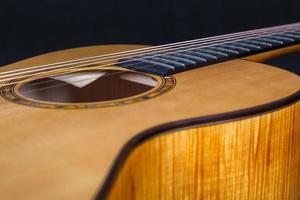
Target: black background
x,y
31,27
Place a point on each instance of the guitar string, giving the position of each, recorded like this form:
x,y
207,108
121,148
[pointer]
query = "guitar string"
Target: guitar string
x,y
148,57
110,64
140,49
73,64
41,83
157,47
58,85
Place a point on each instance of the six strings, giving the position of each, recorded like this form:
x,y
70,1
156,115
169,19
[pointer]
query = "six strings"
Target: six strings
x,y
10,77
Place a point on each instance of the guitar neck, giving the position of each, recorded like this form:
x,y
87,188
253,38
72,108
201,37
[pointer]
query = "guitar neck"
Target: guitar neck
x,y
183,56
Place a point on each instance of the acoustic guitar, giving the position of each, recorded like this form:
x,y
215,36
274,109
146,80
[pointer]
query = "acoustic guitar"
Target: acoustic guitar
x,y
202,119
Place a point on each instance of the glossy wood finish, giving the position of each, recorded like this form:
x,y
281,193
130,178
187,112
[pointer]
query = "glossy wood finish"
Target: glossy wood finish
x,y
254,158
66,154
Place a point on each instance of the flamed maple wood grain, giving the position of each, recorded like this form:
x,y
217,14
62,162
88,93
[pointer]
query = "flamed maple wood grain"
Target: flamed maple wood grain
x,y
67,154
253,158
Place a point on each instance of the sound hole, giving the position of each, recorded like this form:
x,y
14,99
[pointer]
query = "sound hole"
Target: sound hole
x,y
88,86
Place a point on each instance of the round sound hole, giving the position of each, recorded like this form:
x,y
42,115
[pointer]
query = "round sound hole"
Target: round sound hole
x,y
87,89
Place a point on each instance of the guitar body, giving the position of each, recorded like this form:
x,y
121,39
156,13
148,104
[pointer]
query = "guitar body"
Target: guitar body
x,y
225,131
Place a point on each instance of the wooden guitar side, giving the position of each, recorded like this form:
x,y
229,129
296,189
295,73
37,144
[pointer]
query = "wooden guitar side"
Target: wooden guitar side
x,y
253,158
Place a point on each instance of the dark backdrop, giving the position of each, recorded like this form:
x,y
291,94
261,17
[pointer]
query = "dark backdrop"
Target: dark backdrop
x,y
31,27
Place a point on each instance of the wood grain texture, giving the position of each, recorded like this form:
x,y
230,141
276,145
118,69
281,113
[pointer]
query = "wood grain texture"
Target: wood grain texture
x,y
254,158
66,154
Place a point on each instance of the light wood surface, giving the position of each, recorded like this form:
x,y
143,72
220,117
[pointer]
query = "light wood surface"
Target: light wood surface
x,y
256,158
66,154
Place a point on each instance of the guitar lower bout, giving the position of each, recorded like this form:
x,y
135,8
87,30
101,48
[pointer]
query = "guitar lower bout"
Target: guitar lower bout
x,y
252,158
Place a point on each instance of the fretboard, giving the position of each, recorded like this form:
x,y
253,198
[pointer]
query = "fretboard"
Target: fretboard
x,y
186,57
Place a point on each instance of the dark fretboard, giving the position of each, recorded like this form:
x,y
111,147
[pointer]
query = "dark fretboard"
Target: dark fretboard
x,y
174,60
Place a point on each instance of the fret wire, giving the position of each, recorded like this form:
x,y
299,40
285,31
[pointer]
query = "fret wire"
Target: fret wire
x,y
281,28
247,38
